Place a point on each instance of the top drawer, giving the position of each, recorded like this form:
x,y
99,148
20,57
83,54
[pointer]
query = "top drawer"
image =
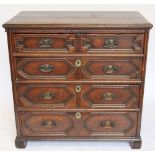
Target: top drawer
x,y
78,43
44,43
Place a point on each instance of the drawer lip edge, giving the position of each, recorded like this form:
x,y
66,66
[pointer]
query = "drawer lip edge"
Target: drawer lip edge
x,y
77,81
19,109
47,54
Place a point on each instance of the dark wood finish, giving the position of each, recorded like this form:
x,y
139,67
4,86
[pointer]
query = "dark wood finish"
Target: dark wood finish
x,y
78,75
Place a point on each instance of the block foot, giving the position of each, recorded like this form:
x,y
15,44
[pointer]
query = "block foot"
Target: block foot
x,y
20,143
136,144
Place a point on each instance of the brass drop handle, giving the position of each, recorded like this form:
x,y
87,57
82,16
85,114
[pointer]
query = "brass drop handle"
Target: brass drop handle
x,y
46,68
49,123
78,88
77,62
45,43
107,124
110,69
111,43
110,96
47,95
78,115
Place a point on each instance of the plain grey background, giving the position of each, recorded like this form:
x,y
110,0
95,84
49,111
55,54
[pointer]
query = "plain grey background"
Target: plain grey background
x,y
7,120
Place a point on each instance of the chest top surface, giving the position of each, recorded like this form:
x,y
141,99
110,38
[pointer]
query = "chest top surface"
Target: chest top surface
x,y
86,19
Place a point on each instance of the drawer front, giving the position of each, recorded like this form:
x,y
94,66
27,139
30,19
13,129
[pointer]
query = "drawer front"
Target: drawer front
x,y
112,68
126,43
45,68
74,43
109,68
110,96
109,124
44,43
79,124
36,96
48,124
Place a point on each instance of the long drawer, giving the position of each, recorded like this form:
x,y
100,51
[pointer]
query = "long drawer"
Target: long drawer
x,y
45,96
79,68
79,124
78,42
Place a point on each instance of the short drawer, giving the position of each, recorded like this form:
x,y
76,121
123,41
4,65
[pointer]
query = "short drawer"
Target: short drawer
x,y
45,96
36,43
112,68
79,124
126,43
45,68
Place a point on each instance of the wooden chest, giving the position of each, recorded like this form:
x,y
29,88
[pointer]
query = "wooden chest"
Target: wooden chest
x,y
78,75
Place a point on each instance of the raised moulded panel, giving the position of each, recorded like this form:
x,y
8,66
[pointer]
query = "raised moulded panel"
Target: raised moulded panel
x,y
46,96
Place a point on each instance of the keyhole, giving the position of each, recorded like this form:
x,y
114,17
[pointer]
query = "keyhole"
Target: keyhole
x,y
78,115
78,63
78,88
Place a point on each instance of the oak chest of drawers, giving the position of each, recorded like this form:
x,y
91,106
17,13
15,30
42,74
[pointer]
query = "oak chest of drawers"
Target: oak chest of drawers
x,y
78,75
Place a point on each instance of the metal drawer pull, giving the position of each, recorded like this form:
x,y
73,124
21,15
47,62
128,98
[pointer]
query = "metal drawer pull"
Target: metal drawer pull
x,y
47,95
45,43
78,115
46,68
78,63
49,123
19,43
111,43
78,88
110,96
110,69
107,124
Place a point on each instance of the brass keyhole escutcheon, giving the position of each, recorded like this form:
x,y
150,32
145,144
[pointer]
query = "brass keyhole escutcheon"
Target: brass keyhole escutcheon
x,y
78,115
78,63
78,88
